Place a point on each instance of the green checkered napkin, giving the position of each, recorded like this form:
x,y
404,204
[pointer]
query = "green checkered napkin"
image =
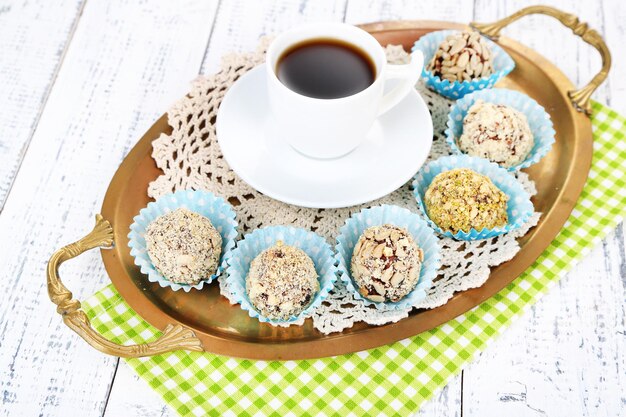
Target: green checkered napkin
x,y
391,380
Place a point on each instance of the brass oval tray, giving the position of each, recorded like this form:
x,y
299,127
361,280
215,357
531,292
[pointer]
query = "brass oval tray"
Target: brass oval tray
x,y
204,320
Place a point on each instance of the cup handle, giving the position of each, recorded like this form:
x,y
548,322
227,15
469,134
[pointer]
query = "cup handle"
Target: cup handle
x,y
409,74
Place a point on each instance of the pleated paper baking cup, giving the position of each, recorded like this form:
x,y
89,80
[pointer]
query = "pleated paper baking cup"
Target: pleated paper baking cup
x,y
538,120
256,242
519,208
423,235
215,208
428,44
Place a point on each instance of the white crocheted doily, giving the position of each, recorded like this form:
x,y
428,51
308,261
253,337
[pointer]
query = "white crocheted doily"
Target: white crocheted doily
x,y
191,158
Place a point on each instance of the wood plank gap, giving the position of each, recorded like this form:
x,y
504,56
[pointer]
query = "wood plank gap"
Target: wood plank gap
x,y
609,96
43,103
110,387
208,41
620,243
462,381
619,237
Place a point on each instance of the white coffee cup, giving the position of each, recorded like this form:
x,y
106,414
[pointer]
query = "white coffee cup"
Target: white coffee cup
x,y
329,128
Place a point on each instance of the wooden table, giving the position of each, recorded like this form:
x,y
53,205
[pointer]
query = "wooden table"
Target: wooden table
x,y
80,81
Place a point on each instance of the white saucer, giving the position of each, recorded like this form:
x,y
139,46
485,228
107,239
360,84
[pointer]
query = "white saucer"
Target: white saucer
x,y
394,150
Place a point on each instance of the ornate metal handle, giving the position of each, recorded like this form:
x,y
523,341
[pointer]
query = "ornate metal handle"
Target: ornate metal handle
x,y
580,98
174,337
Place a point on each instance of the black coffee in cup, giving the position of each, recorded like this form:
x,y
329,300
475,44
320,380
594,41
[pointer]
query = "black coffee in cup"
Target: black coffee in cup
x,y
325,68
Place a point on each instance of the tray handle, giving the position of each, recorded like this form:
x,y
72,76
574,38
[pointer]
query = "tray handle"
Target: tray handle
x,y
173,338
580,98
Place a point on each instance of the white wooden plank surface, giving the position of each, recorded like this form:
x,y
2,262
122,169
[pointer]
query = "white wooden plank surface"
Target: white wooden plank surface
x,y
363,11
127,62
566,357
240,23
33,39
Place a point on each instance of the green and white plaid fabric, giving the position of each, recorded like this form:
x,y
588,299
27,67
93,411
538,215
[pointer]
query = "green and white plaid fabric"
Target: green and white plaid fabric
x,y
394,379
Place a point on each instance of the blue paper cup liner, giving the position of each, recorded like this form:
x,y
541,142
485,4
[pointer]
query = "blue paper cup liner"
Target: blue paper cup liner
x,y
428,44
538,120
423,235
215,208
519,208
256,242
